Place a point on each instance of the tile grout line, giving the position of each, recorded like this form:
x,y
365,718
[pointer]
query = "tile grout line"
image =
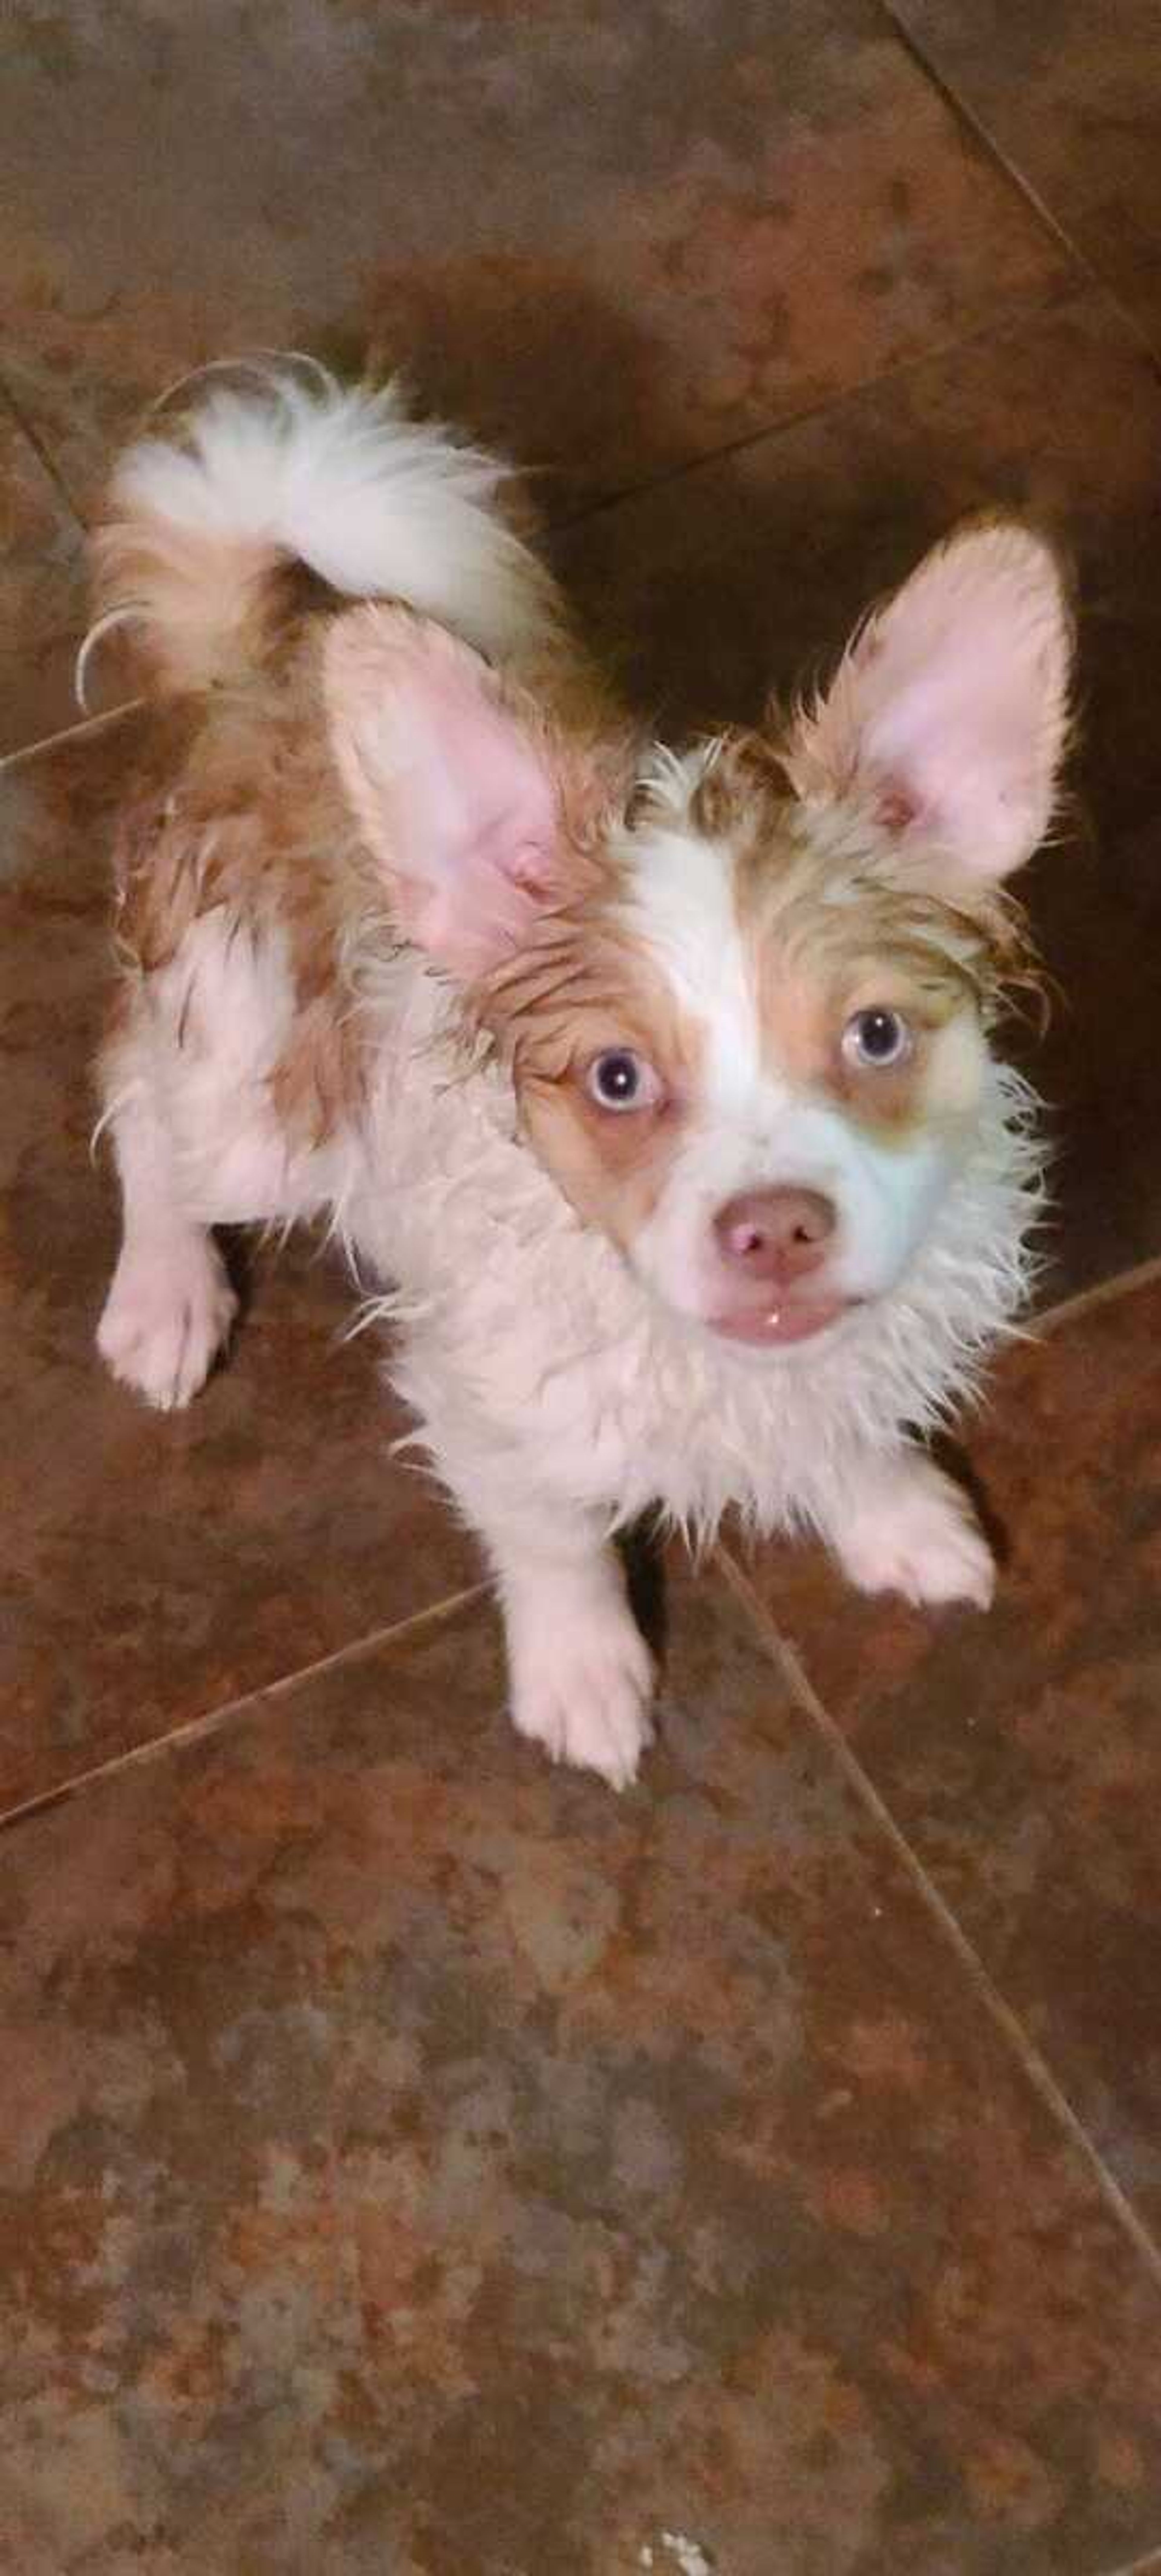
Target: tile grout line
x,y
1003,2015
43,454
194,1730
49,742
1102,1292
1035,306
973,124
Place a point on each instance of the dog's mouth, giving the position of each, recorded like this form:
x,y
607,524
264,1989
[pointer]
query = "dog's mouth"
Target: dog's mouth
x,y
782,1322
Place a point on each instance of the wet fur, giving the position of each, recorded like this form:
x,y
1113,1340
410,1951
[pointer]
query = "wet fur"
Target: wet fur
x,y
297,1036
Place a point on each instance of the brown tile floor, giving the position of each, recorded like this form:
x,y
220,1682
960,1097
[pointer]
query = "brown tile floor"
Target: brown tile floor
x,y
1020,1754
414,2159
40,583
1069,95
421,2160
618,237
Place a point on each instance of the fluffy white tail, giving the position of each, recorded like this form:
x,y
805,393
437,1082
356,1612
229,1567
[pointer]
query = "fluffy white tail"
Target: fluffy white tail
x,y
204,521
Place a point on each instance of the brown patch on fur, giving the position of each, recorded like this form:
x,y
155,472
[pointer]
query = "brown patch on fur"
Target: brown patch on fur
x,y
785,854
245,818
582,990
198,610
742,795
836,922
935,1084
320,1079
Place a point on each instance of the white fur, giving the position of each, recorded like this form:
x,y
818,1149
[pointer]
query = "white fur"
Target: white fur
x,y
912,1531
167,1315
341,478
560,1389
170,1306
581,1675
680,906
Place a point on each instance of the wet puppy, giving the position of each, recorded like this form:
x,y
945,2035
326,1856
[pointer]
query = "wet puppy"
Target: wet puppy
x,y
655,1089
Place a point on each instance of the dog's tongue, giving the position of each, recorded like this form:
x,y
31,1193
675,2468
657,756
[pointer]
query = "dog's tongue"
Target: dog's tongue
x,y
795,1321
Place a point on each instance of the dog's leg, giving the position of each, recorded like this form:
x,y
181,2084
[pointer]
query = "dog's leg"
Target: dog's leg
x,y
581,1675
898,1524
170,1305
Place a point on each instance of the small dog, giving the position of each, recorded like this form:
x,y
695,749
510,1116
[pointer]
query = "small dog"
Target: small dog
x,y
657,1085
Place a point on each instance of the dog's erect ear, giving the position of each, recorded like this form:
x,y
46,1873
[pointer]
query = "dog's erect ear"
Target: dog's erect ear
x,y
452,786
949,713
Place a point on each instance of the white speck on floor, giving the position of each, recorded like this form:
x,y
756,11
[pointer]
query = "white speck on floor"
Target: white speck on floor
x,y
688,2555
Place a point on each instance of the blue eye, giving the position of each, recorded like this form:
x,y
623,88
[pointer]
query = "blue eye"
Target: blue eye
x,y
877,1039
622,1080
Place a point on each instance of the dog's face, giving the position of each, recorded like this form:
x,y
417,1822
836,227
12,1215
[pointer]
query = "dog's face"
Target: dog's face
x,y
764,1060
745,1005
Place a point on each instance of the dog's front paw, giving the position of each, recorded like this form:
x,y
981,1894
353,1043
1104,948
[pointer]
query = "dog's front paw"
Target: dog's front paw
x,y
167,1315
583,1687
920,1537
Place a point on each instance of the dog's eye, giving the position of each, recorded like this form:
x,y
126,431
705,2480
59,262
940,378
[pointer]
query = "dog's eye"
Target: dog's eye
x,y
877,1039
622,1080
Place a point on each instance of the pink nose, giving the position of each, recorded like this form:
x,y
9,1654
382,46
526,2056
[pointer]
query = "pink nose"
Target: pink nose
x,y
775,1234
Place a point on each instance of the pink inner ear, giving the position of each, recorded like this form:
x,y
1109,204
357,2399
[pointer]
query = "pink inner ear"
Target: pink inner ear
x,y
475,822
959,753
454,791
949,712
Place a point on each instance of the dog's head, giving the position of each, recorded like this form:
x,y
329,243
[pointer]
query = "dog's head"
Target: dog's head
x,y
744,993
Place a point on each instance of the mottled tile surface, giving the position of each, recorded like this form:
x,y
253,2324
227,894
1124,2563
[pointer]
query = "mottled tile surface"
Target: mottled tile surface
x,y
40,580
1071,96
418,2159
613,237
417,2162
747,574
1021,1752
156,1565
